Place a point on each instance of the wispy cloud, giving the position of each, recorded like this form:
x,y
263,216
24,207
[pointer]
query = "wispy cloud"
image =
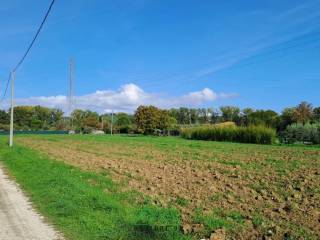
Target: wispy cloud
x,y
293,23
289,25
126,99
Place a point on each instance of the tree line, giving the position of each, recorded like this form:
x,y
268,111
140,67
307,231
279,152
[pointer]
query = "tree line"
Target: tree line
x,y
152,120
302,113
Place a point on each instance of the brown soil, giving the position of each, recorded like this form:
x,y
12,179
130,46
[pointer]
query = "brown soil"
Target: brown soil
x,y
278,184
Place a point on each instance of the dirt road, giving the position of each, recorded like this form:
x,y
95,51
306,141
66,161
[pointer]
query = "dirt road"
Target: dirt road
x,y
18,220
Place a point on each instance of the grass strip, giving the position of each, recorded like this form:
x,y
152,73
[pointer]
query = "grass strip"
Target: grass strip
x,y
85,205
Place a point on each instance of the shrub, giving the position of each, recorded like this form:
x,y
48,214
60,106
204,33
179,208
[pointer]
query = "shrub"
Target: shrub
x,y
4,127
225,124
301,133
253,134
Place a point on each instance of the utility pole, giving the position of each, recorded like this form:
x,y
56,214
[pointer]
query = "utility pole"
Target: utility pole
x,y
71,90
102,124
13,75
111,122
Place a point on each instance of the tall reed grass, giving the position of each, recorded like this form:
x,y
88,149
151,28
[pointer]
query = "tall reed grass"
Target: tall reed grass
x,y
252,134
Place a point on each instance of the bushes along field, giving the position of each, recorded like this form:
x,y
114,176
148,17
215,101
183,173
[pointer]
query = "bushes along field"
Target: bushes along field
x,y
253,134
301,133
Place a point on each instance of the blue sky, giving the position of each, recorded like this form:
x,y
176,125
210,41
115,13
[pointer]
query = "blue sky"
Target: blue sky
x,y
260,54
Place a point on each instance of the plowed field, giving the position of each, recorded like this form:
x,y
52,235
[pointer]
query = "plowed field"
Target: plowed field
x,y
246,191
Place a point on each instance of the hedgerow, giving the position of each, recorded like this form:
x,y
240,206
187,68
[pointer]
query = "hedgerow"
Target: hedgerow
x,y
252,134
301,133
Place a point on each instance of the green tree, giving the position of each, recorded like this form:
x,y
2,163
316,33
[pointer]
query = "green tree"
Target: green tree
x,y
303,113
316,114
164,122
56,118
4,117
123,122
215,117
244,116
286,118
184,115
230,113
204,115
267,118
149,119
41,117
85,121
23,116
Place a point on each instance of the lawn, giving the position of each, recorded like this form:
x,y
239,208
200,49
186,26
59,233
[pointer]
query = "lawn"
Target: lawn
x,y
138,187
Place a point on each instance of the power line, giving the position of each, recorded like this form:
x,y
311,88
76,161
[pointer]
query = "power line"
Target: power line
x,y
6,89
28,49
35,37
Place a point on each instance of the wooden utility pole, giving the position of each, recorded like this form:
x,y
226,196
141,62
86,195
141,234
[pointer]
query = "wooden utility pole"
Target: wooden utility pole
x,y
102,122
71,90
13,75
111,129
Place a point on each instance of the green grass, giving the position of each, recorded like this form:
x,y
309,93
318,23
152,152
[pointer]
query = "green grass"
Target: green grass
x,y
84,205
217,218
182,201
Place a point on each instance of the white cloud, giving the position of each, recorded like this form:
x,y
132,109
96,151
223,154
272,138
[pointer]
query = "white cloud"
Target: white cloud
x,y
126,99
197,98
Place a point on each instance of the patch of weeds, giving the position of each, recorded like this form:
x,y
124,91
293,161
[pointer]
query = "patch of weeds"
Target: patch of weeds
x,y
148,157
216,197
225,171
299,232
154,223
257,220
128,174
182,201
282,190
231,163
252,165
235,216
282,166
259,187
234,195
218,218
316,190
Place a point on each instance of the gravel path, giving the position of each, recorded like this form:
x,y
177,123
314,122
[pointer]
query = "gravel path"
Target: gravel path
x,y
18,220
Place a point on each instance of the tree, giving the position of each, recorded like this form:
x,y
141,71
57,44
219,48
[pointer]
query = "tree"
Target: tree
x,y
23,116
123,122
303,113
41,117
267,118
286,118
56,118
193,116
149,119
184,115
77,117
85,121
316,114
164,120
174,113
36,118
244,116
214,118
146,119
230,113
204,115
4,117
